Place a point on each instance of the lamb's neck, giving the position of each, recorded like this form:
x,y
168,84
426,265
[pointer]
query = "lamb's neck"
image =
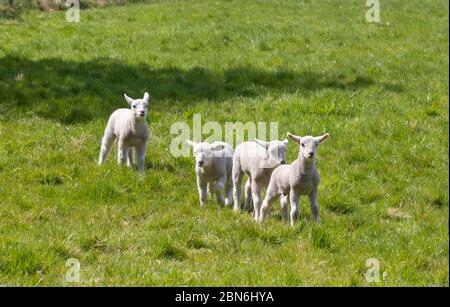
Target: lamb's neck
x,y
137,123
207,170
304,167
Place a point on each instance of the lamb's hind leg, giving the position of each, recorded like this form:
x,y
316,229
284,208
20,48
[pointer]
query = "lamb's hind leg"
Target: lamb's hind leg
x,y
248,195
107,142
237,182
271,196
256,196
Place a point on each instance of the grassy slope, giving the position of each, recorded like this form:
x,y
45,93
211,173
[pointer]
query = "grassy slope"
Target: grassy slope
x,y
314,66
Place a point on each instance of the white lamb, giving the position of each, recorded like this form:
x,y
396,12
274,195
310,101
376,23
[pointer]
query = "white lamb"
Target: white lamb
x,y
257,160
129,128
299,178
213,169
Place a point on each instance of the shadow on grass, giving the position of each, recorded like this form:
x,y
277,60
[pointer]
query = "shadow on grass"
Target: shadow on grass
x,y
13,9
72,92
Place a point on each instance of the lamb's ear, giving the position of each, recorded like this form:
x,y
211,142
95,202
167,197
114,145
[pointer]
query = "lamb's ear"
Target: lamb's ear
x,y
285,141
262,143
294,137
128,99
322,138
146,96
217,147
190,143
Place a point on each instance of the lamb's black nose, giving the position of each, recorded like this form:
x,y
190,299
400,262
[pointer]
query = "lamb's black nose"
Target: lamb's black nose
x,y
311,154
283,162
200,163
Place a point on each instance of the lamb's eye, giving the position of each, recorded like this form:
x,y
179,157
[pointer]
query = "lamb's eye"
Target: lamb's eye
x,y
303,145
134,107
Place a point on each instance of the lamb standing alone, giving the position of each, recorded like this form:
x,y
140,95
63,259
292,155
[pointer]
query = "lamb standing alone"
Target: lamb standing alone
x,y
257,160
213,165
299,178
129,128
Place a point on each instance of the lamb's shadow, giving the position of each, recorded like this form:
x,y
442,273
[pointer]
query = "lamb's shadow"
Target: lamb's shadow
x,y
71,92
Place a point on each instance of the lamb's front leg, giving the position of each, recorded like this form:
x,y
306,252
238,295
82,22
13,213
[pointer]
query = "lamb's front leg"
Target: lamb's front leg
x,y
295,199
284,200
314,206
202,192
140,151
219,189
130,160
229,192
122,152
210,189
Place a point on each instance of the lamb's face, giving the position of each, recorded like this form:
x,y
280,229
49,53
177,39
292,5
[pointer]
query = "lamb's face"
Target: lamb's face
x,y
308,147
204,152
139,107
277,151
308,144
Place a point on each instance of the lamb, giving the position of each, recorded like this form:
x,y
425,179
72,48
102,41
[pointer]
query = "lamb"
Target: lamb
x,y
299,178
213,169
257,160
129,128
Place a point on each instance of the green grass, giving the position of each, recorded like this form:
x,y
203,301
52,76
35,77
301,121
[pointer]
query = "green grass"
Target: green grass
x,y
381,91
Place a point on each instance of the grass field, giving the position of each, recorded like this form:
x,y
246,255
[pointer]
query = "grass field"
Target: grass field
x,y
380,90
